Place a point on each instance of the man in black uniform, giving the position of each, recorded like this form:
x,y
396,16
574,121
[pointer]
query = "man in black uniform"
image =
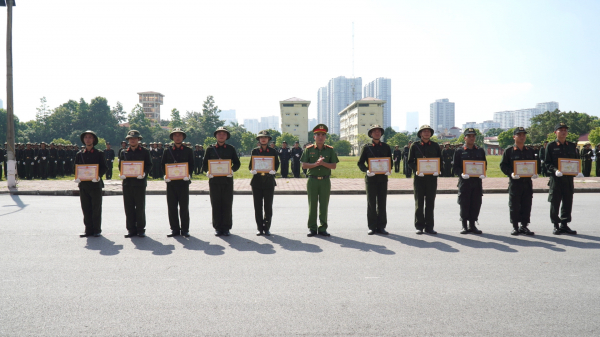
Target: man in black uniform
x,y
425,186
2,159
90,192
597,161
520,189
376,185
156,161
134,188
43,156
263,185
470,188
109,157
123,147
407,168
284,156
296,155
448,160
178,191
561,186
201,156
397,155
586,160
29,159
221,187
542,156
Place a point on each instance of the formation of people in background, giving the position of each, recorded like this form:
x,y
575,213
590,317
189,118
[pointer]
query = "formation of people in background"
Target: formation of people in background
x,y
319,160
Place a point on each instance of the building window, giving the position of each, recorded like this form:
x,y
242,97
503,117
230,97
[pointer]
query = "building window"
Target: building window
x,y
304,105
288,105
287,114
363,105
296,114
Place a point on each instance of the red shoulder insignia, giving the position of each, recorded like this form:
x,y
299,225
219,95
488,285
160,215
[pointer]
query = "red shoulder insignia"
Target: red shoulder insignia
x,y
329,146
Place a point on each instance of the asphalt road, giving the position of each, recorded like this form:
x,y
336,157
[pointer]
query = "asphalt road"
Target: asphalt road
x,y
54,283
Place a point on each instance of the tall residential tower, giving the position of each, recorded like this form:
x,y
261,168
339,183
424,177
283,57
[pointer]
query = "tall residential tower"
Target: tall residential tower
x,y
381,88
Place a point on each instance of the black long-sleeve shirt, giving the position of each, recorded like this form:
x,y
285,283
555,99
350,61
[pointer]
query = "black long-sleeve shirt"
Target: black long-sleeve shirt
x,y
264,180
216,152
93,156
181,154
139,154
513,153
423,150
380,150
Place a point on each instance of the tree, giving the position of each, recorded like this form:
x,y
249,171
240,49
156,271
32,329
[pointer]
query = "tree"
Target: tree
x,y
210,116
118,113
209,141
331,139
274,134
138,121
3,125
248,142
571,137
61,141
493,132
506,139
594,136
399,139
543,124
388,133
288,137
176,121
362,140
478,138
342,147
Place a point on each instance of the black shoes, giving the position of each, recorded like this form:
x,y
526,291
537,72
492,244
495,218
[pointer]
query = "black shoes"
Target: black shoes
x,y
465,230
311,233
173,233
267,233
259,233
83,235
226,233
324,233
473,229
419,231
382,231
97,235
430,231
371,232
564,228
130,234
218,233
524,230
142,235
186,234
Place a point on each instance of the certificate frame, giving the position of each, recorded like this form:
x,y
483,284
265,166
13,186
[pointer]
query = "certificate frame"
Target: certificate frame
x,y
87,172
132,168
177,171
480,165
522,168
219,167
376,165
424,163
263,160
565,166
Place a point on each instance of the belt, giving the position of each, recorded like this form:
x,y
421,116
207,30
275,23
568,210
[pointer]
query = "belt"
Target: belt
x,y
318,177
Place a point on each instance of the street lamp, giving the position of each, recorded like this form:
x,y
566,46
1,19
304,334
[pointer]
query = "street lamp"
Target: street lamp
x,y
11,164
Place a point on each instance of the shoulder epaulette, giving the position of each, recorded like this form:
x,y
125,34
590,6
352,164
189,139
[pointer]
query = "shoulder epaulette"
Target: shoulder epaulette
x,y
329,146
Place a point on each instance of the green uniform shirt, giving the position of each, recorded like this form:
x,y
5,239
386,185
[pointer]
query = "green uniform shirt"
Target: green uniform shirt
x,y
312,154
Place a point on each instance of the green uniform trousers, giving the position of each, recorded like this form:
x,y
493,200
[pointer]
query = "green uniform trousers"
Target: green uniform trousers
x,y
425,189
376,204
91,205
318,191
134,200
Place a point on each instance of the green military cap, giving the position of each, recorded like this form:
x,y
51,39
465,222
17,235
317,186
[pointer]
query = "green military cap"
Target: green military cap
x,y
469,131
222,128
424,127
134,134
177,130
560,125
320,128
91,133
373,127
264,133
518,130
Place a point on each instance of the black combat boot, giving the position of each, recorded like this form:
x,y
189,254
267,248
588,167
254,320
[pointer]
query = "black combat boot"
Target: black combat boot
x,y
465,229
564,228
557,230
524,230
473,229
515,230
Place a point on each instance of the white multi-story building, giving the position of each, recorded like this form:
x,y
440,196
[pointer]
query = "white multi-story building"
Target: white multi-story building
x,y
506,119
251,125
269,122
357,118
151,102
547,106
381,88
412,121
441,115
322,116
523,117
483,127
228,116
312,123
341,91
294,118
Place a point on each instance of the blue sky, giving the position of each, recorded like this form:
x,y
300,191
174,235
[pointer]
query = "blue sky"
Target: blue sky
x,y
485,56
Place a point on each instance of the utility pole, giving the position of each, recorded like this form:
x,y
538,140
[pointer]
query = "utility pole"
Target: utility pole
x,y
11,164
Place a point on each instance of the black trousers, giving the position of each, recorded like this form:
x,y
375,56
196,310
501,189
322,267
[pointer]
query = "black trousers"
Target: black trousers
x,y
263,199
29,169
597,168
221,200
587,167
470,194
43,169
197,167
447,169
51,169
397,165
155,173
561,192
376,204
134,200
285,165
407,170
520,198
425,189
91,205
178,203
109,166
2,165
296,167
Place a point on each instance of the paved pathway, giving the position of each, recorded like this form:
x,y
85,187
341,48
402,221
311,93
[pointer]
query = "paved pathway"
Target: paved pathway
x,y
288,186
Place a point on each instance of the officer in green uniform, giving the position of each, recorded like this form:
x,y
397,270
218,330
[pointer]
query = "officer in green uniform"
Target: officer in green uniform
x,y
376,184
425,186
134,188
542,156
178,191
470,188
263,185
90,192
221,187
561,186
520,189
319,159
586,159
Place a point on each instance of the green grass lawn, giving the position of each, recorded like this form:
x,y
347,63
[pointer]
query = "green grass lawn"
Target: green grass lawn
x,y
346,168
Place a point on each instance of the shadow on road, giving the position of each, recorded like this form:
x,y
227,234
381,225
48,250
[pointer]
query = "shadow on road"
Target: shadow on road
x,y
18,203
362,246
570,243
193,243
522,242
104,245
588,237
421,243
244,245
477,244
294,245
153,246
